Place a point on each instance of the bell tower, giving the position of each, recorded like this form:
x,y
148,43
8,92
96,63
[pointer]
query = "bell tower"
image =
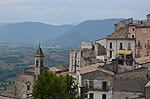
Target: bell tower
x,y
39,61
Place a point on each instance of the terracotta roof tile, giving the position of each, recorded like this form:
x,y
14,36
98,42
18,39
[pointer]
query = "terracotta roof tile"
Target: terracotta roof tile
x,y
94,67
143,60
10,94
148,84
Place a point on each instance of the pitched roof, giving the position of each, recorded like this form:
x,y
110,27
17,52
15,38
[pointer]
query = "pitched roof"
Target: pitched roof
x,y
92,68
141,24
10,94
131,81
39,52
143,60
58,68
148,84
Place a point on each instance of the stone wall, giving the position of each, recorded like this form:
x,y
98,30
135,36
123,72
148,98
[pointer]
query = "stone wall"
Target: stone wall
x,y
112,66
87,57
11,88
131,81
122,95
86,45
21,83
96,75
147,92
121,29
99,49
123,24
75,59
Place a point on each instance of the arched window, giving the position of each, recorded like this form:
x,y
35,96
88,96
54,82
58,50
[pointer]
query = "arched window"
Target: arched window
x,y
36,62
41,63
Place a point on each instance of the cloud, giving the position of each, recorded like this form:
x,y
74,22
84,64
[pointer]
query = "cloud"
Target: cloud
x,y
71,11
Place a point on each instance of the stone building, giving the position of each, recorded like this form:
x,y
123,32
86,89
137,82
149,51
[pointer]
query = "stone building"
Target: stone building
x,y
85,56
130,83
121,29
25,79
106,83
147,90
99,81
141,32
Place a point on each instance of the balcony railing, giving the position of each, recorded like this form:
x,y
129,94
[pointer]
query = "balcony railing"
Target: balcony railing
x,y
147,45
100,89
139,45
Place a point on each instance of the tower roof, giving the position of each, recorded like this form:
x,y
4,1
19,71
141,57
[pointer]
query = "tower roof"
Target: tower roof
x,y
39,52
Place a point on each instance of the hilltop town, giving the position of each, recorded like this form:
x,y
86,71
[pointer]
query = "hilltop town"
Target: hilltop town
x,y
114,67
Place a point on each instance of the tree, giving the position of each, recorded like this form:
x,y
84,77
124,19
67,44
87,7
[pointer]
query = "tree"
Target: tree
x,y
126,97
86,90
51,86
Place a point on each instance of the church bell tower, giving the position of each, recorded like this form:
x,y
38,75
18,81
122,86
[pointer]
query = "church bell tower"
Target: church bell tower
x,y
39,61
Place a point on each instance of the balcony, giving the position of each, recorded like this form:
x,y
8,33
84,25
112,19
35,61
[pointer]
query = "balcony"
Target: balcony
x,y
100,89
147,46
139,45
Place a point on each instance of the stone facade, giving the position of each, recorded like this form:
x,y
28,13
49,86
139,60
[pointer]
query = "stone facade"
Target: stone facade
x,y
75,60
85,56
131,83
25,79
147,92
121,29
98,80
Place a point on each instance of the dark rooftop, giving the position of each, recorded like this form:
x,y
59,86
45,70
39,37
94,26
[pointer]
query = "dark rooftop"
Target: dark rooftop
x,y
39,52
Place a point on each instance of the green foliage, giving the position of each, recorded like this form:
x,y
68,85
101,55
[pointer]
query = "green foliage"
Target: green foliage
x,y
86,90
126,97
11,59
51,86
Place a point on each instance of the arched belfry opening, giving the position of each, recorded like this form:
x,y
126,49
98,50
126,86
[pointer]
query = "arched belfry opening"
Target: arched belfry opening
x,y
39,61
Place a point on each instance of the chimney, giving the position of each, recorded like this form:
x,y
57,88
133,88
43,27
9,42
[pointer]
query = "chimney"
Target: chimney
x,y
148,17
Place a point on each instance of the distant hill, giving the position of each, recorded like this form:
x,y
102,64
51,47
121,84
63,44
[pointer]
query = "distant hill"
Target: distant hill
x,y
30,32
89,30
2,24
64,35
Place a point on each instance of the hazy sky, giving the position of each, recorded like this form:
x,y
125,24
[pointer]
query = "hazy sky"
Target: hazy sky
x,y
71,11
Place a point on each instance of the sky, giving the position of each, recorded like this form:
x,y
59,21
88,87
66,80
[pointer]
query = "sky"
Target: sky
x,y
59,12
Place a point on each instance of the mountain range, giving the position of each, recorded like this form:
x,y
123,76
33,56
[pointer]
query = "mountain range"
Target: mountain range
x,y
63,35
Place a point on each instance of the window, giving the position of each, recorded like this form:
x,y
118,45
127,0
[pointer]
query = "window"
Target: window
x,y
148,53
37,63
28,87
133,36
90,84
133,29
75,54
110,54
138,54
148,43
129,46
120,62
91,95
139,43
110,44
41,63
103,96
120,46
104,85
143,30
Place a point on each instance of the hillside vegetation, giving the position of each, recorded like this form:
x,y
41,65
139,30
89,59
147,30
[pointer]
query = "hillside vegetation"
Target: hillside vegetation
x,y
16,58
